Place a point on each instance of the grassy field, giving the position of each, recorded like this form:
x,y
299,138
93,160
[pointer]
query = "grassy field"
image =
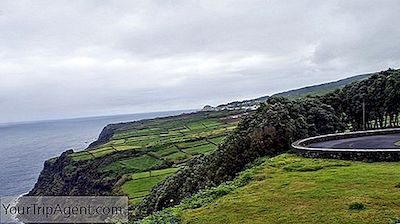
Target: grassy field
x,y
135,164
158,147
291,189
141,183
182,134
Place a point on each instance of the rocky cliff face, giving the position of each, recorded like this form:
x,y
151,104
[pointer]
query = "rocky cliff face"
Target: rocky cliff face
x,y
64,177
105,135
53,171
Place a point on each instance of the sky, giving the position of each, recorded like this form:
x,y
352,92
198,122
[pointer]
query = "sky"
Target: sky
x,y
62,59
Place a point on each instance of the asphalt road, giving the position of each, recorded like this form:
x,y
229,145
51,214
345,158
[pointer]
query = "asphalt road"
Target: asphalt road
x,y
367,142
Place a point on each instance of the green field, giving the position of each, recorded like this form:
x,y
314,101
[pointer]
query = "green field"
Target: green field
x,y
291,189
157,146
180,133
136,164
141,183
201,149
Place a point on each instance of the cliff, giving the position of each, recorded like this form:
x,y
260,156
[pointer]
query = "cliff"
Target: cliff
x,y
105,135
63,176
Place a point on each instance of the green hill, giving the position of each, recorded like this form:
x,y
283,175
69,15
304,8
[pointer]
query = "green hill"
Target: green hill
x,y
292,189
319,89
323,88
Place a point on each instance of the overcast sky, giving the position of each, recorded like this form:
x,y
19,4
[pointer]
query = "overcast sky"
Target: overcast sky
x,y
95,57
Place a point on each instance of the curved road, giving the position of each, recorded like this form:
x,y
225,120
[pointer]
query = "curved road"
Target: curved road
x,y
366,142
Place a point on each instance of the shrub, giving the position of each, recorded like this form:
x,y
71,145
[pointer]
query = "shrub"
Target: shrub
x,y
357,206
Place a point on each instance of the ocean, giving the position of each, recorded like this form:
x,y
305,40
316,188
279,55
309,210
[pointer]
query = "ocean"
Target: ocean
x,y
25,146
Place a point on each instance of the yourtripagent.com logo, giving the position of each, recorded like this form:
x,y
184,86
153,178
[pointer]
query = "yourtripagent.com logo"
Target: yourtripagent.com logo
x,y
95,209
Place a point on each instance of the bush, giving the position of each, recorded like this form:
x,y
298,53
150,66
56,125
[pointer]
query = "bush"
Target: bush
x,y
357,206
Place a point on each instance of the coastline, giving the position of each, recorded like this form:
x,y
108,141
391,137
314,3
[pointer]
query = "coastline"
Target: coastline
x,y
139,142
25,146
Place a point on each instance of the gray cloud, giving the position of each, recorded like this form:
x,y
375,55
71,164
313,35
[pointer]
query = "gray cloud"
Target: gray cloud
x,y
80,58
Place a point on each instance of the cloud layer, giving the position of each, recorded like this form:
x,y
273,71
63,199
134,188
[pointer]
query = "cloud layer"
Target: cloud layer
x,y
81,58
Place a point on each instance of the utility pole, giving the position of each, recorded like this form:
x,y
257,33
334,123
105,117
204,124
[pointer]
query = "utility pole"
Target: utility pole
x,y
363,108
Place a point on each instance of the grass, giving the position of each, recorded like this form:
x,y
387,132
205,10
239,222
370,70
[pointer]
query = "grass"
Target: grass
x,y
211,123
165,151
143,182
182,134
217,140
202,149
191,144
81,156
292,189
102,151
176,157
137,189
127,147
397,143
135,164
172,215
141,175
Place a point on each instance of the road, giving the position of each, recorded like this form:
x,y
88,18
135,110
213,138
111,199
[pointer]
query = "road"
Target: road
x,y
366,142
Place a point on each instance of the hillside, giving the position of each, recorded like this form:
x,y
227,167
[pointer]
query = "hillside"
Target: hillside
x,y
309,90
292,189
322,88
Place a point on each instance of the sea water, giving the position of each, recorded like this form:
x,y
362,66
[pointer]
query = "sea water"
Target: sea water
x,y
25,146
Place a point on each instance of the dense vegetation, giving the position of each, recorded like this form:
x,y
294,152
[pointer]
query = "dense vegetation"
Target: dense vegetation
x,y
270,131
381,95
